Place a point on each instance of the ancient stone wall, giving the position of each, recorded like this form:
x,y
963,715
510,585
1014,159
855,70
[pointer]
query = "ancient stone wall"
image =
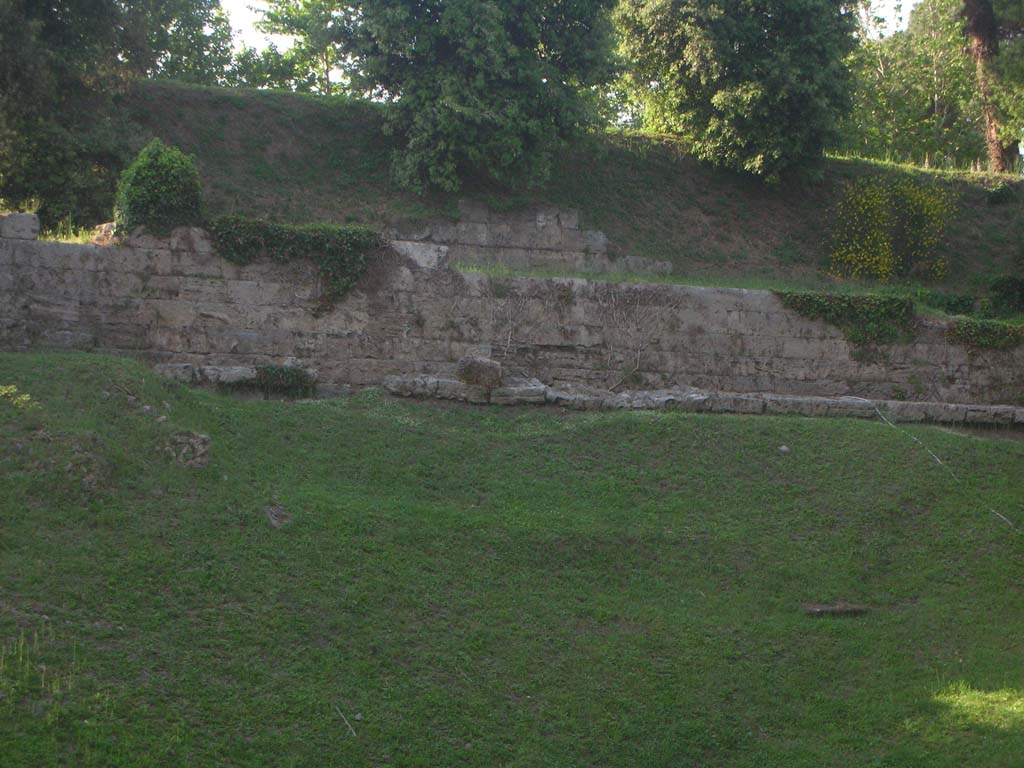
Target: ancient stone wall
x,y
178,304
545,239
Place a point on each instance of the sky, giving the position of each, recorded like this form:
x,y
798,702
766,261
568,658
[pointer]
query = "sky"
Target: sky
x,y
243,21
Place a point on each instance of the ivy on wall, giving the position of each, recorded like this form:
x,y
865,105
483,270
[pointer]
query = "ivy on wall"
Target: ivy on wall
x,y
976,335
340,253
863,319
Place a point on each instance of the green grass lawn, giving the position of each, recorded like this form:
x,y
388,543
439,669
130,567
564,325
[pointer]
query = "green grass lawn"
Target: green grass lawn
x,y
466,586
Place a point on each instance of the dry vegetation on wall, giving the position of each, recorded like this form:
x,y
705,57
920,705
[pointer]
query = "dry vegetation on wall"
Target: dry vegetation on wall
x,y
302,159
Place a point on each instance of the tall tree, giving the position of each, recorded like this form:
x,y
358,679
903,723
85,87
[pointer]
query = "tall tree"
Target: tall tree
x,y
319,27
915,95
756,85
488,87
987,24
61,62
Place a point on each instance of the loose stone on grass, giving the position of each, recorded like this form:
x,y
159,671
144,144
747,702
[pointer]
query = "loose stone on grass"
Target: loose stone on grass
x,y
190,449
840,609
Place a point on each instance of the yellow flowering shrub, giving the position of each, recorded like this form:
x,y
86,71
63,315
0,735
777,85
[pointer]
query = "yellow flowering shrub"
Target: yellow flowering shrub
x,y
884,228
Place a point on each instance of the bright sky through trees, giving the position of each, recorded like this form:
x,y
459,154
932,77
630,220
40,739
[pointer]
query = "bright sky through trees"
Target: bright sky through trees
x,y
244,18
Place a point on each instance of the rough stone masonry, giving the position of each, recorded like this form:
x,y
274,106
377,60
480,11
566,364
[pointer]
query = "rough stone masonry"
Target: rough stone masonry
x,y
177,304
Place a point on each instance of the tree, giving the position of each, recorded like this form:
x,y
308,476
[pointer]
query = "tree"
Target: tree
x,y
319,27
756,85
270,68
62,63
482,87
988,24
914,95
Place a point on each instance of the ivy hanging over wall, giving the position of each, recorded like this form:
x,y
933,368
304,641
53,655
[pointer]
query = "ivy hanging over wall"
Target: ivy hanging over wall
x,y
340,253
863,319
976,335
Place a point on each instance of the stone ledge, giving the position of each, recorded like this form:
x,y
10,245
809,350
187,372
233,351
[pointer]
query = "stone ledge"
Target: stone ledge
x,y
690,399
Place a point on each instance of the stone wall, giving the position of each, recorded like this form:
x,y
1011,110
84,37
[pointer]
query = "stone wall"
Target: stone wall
x,y
548,239
178,304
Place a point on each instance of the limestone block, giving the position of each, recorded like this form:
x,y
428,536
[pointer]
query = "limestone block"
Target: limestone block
x,y
519,392
225,374
424,255
472,233
569,219
479,371
19,226
191,240
595,241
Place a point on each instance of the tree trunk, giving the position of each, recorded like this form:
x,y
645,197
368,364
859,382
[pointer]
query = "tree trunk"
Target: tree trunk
x,y
984,37
327,74
1011,155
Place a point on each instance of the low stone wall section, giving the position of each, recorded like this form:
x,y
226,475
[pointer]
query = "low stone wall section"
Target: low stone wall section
x,y
176,303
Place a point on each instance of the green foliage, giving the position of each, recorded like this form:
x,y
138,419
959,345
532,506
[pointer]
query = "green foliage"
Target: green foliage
x,y
756,85
1001,194
189,40
64,69
340,253
60,143
270,68
863,319
486,89
285,380
915,94
885,227
318,27
159,190
278,381
952,303
977,335
1007,295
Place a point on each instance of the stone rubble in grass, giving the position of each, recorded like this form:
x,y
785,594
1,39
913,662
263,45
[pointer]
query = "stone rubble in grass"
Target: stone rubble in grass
x,y
531,391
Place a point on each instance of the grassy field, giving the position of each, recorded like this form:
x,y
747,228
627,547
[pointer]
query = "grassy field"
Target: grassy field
x,y
301,158
465,586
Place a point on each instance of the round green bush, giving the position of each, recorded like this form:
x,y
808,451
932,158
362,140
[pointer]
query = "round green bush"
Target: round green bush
x,y
159,190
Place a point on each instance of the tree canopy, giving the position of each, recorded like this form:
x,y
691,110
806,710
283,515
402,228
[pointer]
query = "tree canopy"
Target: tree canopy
x,y
756,85
481,86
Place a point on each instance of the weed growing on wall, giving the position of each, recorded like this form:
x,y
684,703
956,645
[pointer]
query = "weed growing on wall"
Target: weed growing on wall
x,y
885,228
340,253
862,319
159,190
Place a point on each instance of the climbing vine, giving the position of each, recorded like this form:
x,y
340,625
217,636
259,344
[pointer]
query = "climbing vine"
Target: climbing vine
x,y
340,253
976,335
863,319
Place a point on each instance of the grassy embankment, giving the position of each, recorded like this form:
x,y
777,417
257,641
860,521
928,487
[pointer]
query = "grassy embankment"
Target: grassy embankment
x,y
482,587
302,158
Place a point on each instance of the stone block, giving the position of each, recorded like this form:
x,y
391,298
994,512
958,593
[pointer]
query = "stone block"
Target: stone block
x,y
519,392
424,255
479,372
226,374
19,226
595,241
